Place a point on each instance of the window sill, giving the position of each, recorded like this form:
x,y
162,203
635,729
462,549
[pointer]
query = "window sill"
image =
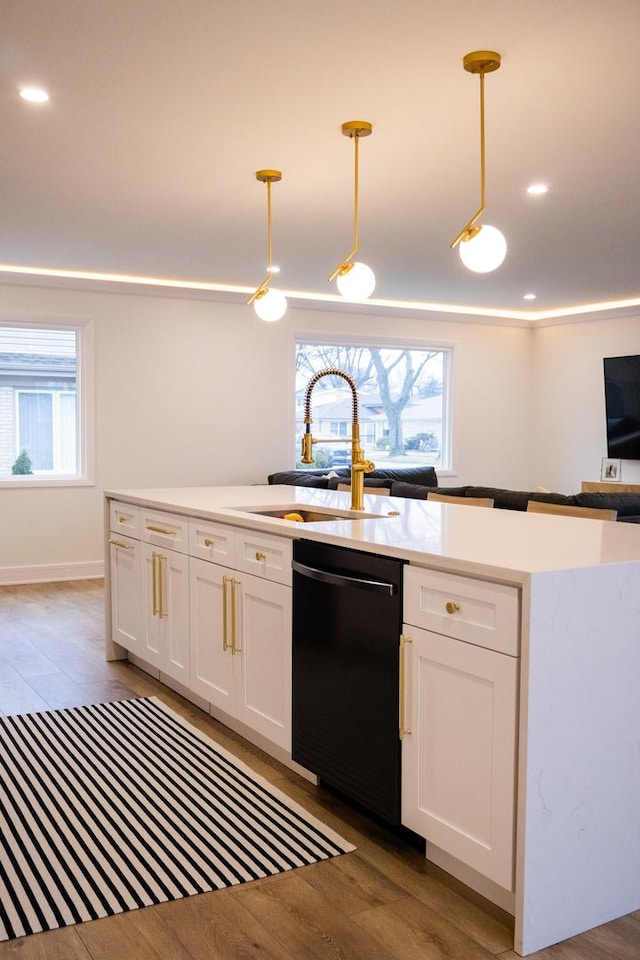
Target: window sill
x,y
46,482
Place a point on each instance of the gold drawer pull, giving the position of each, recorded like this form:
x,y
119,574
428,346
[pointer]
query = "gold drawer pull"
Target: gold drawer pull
x,y
169,533
404,730
119,543
208,542
452,607
122,519
260,556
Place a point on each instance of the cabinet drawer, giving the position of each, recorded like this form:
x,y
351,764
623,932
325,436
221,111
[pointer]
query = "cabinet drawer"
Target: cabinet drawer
x,y
476,611
165,530
264,556
212,541
124,518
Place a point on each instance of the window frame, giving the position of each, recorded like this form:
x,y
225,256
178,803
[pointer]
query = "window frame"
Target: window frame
x,y
392,343
85,392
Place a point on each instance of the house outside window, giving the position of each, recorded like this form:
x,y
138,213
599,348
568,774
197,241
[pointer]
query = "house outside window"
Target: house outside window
x,y
403,392
45,413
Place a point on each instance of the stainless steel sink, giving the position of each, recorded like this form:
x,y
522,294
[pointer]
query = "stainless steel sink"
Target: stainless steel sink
x,y
308,512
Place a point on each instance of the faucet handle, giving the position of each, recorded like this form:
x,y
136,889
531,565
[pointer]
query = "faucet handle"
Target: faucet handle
x,y
363,466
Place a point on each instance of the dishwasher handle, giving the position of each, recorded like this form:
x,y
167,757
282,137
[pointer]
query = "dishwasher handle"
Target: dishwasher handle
x,y
341,580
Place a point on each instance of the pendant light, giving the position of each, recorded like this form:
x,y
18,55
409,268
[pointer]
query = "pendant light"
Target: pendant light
x,y
356,281
269,304
482,248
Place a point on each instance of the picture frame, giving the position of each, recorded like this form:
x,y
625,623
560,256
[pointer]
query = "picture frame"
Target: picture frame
x,y
610,470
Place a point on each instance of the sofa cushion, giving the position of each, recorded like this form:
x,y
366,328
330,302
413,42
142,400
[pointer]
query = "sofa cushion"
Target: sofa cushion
x,y
568,500
424,476
417,491
300,478
455,491
627,504
502,499
333,482
411,491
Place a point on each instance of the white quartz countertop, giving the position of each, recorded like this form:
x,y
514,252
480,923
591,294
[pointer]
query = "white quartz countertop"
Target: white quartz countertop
x,y
504,544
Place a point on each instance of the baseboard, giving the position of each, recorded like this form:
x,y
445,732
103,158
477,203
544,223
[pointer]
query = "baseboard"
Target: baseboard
x,y
51,573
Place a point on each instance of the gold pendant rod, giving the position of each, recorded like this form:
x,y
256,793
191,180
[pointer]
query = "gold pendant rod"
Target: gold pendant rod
x,y
353,129
481,62
483,199
268,177
269,237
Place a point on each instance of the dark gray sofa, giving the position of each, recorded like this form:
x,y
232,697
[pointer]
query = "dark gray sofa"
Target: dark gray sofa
x,y
416,482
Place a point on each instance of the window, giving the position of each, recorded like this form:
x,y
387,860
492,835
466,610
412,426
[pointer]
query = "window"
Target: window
x,y
45,427
403,401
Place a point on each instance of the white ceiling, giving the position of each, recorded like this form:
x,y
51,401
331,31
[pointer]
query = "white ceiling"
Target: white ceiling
x,y
161,112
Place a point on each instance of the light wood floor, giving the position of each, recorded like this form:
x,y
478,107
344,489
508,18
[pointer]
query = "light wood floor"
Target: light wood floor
x,y
383,902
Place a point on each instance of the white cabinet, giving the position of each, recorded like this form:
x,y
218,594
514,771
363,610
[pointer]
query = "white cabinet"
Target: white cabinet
x,y
126,613
241,637
165,605
212,666
460,720
263,658
208,605
165,592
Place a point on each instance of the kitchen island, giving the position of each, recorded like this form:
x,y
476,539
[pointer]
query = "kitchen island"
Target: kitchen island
x,y
554,605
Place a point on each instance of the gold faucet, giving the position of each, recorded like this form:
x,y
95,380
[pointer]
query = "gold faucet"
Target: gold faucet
x,y
359,466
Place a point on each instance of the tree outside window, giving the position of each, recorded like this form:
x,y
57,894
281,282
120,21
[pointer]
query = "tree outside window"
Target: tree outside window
x,y
402,401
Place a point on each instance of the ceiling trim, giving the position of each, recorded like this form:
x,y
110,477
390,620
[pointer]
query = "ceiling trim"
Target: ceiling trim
x,y
94,279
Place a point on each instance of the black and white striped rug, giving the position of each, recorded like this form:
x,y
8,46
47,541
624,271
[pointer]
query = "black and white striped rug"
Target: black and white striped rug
x,y
116,806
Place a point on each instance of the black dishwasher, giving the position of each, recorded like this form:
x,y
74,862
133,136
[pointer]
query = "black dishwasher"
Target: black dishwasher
x,y
347,612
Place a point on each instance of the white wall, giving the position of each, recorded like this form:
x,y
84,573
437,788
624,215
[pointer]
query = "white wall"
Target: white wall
x,y
192,392
569,424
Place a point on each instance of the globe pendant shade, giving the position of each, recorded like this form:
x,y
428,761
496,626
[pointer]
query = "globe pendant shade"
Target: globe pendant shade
x,y
358,283
272,306
484,252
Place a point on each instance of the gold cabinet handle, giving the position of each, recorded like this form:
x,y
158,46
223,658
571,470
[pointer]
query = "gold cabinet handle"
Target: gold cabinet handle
x,y
229,615
235,647
404,731
161,578
122,519
165,530
119,543
208,542
452,607
154,583
225,613
260,556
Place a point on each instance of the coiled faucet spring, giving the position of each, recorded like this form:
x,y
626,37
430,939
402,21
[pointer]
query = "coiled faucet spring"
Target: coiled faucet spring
x,y
330,372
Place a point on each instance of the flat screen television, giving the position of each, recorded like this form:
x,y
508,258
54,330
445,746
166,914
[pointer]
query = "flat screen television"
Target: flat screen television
x,y
622,403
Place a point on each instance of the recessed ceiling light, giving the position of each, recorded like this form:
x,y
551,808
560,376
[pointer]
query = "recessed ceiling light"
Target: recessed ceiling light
x,y
536,189
34,94
529,296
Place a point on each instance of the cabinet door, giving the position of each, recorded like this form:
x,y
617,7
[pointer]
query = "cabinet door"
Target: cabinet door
x,y
165,602
263,658
125,593
212,667
458,761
